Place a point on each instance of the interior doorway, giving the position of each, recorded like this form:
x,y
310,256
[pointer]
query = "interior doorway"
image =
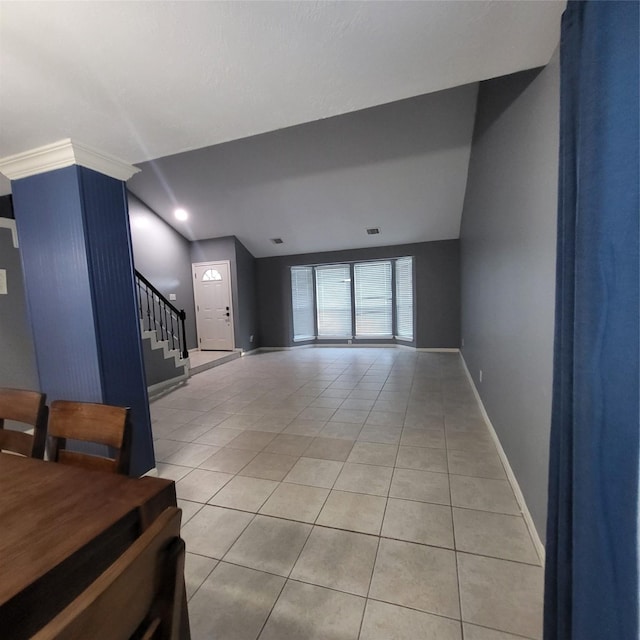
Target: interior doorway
x,y
214,310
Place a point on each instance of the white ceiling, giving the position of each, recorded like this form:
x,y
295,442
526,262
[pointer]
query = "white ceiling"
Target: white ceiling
x,y
143,80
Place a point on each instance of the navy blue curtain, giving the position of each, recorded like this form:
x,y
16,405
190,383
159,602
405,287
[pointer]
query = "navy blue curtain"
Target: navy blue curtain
x,y
591,581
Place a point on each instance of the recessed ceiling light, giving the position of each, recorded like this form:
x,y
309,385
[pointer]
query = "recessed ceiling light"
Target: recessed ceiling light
x,y
277,240
372,231
180,214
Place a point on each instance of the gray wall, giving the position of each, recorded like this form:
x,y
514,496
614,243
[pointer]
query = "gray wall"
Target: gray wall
x,y
17,359
162,256
245,321
247,299
508,267
437,289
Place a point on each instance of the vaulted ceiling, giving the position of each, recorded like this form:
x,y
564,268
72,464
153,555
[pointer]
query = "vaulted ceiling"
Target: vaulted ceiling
x,y
146,80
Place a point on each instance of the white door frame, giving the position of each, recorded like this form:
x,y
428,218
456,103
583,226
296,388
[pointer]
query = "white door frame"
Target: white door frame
x,y
195,297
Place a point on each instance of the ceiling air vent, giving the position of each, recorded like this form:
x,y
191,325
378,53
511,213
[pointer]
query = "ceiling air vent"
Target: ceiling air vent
x,y
373,231
277,240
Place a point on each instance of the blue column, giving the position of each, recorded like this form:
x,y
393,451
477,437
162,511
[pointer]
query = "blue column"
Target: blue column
x,y
76,253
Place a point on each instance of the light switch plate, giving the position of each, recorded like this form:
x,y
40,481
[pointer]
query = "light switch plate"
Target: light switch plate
x,y
172,296
3,282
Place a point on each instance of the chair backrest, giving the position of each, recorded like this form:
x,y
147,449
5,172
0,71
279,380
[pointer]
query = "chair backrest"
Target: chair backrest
x,y
26,407
89,422
139,595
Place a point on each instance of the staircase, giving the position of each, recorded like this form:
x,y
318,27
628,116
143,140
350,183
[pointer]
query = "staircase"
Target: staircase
x,y
166,358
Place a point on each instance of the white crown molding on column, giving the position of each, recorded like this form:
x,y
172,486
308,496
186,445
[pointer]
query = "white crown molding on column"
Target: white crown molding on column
x,y
64,153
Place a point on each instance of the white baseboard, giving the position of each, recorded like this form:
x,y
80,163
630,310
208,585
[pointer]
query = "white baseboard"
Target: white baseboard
x,y
359,345
533,532
369,345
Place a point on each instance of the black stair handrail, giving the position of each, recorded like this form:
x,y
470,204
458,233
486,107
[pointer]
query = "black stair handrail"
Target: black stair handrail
x,y
159,315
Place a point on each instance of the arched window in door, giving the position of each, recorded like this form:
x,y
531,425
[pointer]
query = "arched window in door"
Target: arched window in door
x,y
211,274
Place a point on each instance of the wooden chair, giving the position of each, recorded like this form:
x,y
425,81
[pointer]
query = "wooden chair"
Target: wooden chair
x,y
88,422
27,407
138,596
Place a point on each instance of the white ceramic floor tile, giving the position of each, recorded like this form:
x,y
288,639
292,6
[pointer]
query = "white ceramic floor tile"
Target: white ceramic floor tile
x,y
329,449
269,544
353,512
295,502
189,509
355,416
424,486
200,485
473,632
484,494
340,560
493,534
308,612
172,471
364,478
418,522
191,454
289,444
379,431
416,576
218,436
244,493
501,595
314,472
233,603
213,530
422,458
196,570
415,437
228,460
343,430
373,453
269,466
383,621
381,435
165,448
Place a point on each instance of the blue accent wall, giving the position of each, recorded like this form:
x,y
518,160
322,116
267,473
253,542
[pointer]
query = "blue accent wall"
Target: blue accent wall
x,y
75,245
48,210
119,344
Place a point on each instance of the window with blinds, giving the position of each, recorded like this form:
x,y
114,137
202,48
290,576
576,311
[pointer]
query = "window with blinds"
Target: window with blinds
x,y
373,299
380,292
303,303
404,298
333,291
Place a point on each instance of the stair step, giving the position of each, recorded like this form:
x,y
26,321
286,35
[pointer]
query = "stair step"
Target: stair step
x,y
232,355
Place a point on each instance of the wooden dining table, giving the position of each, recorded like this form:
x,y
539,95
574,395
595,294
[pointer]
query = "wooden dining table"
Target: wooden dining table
x,y
60,528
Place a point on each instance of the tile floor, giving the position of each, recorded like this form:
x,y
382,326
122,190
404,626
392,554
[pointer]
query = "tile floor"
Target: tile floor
x,y
345,494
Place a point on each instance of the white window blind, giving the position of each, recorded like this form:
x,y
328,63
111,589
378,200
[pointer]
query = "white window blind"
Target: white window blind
x,y
373,296
333,291
302,303
404,298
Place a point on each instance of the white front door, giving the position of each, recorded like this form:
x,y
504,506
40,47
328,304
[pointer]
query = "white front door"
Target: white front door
x,y
214,315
